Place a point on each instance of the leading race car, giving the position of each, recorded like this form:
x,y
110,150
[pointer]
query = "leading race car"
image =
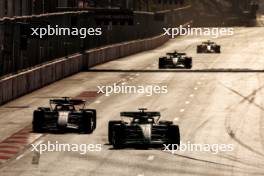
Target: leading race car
x,y
144,129
208,47
64,114
175,60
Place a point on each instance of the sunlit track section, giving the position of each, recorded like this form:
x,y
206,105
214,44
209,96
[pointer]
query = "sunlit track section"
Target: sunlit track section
x,y
16,143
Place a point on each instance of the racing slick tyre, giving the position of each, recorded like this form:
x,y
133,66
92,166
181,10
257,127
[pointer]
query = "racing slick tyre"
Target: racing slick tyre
x,y
198,50
218,49
38,121
118,137
86,125
161,63
174,136
165,122
110,129
188,63
93,117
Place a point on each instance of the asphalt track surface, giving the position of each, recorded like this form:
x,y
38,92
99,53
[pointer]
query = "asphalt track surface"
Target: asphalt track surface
x,y
219,102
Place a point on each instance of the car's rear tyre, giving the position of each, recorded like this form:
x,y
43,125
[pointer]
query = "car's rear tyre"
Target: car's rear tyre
x,y
38,121
188,63
199,49
110,129
93,117
86,125
161,63
118,137
218,49
174,136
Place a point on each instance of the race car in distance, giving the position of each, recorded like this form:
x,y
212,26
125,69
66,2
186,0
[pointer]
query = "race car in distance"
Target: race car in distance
x,y
175,60
64,114
143,128
208,47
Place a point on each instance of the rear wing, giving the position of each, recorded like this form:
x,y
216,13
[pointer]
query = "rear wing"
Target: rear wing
x,y
140,114
208,42
172,54
176,54
66,100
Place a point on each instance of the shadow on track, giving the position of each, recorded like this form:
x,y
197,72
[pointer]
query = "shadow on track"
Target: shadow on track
x,y
213,70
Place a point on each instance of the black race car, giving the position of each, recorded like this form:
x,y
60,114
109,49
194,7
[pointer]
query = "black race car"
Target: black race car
x,y
208,47
144,129
64,113
175,60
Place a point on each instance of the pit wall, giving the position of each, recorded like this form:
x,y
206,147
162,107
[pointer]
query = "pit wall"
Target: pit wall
x,y
25,82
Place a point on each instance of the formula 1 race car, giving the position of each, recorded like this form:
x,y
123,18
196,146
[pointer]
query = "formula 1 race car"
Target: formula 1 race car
x,y
175,60
144,129
63,114
208,47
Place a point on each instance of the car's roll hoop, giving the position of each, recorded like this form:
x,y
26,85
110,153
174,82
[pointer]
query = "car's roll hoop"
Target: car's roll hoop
x,y
142,109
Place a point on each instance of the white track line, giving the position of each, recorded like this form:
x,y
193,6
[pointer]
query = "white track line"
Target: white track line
x,y
20,156
176,119
151,157
182,110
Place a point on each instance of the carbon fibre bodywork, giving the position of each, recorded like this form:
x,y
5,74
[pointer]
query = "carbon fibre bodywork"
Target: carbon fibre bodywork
x,y
65,115
143,129
208,47
175,60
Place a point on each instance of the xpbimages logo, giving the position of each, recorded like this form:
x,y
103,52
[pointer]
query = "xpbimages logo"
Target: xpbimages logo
x,y
182,31
125,89
63,31
190,147
62,147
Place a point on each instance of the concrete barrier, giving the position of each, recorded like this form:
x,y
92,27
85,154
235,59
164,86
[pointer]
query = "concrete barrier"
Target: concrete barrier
x,y
25,82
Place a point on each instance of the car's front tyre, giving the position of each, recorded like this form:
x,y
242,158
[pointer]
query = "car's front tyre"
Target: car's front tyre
x,y
38,121
118,137
174,136
86,124
111,124
188,63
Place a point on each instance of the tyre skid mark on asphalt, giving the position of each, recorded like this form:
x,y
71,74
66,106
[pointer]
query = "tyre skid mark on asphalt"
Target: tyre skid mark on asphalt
x,y
200,126
245,98
238,160
243,170
229,131
200,160
232,134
